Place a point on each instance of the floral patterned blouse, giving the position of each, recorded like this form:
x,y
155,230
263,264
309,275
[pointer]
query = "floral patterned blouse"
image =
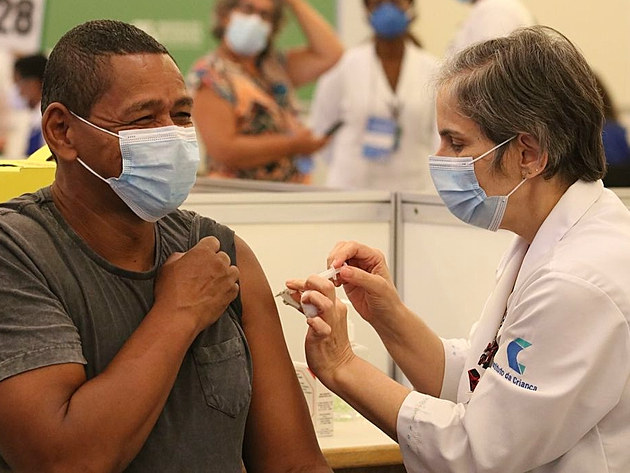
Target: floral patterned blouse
x,y
264,104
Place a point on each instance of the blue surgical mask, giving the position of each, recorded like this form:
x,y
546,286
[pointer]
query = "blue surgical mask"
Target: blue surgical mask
x,y
457,184
389,21
159,167
247,35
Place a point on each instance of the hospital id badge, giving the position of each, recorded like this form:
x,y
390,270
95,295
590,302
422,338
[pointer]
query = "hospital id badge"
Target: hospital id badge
x,y
380,138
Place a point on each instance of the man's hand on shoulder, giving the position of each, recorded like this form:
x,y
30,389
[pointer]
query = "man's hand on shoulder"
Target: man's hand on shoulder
x,y
200,283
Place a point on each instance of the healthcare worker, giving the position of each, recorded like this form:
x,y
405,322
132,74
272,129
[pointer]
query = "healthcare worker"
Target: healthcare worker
x,y
489,19
379,91
543,382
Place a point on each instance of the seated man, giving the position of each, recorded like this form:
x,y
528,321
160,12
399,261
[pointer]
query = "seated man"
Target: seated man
x,y
135,336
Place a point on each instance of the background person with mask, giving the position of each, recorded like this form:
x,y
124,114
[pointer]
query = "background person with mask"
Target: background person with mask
x,y
380,91
543,382
245,109
489,19
28,76
6,87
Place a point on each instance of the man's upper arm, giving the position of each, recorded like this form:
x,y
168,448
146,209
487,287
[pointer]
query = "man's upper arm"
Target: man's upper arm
x,y
272,441
40,357
36,330
32,406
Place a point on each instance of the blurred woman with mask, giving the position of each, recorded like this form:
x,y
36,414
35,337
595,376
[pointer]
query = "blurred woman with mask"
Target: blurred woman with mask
x,y
245,109
379,89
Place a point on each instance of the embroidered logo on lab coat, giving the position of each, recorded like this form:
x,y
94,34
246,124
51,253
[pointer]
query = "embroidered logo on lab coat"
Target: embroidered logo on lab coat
x,y
513,349
486,360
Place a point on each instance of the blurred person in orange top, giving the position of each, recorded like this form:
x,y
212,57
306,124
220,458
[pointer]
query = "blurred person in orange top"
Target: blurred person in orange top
x,y
245,109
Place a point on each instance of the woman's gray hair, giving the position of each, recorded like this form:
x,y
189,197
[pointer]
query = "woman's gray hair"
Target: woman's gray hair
x,y
222,9
534,81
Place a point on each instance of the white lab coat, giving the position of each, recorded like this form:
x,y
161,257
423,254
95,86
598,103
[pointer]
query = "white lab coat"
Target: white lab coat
x,y
357,88
567,331
490,19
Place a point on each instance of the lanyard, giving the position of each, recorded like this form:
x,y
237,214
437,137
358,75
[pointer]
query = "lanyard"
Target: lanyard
x,y
394,104
486,358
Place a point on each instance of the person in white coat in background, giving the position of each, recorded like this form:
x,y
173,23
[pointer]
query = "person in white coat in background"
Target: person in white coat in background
x,y
379,90
489,19
543,382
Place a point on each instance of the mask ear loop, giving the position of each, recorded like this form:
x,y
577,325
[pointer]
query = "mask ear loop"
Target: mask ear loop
x,y
498,216
517,186
492,149
93,125
98,128
91,170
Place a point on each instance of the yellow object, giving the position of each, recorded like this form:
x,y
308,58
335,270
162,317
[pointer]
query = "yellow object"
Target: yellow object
x,y
18,177
42,155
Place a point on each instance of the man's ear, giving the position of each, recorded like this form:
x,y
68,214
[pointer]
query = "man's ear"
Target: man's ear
x,y
57,131
533,159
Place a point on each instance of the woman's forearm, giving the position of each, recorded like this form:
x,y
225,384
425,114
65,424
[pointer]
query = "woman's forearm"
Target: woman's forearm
x,y
249,151
415,348
323,47
376,396
322,39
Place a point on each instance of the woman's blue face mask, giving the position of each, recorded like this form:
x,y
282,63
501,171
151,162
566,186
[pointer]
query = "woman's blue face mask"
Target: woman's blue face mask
x,y
389,20
456,182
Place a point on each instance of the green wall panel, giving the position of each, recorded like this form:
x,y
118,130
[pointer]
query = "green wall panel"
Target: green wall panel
x,y
182,26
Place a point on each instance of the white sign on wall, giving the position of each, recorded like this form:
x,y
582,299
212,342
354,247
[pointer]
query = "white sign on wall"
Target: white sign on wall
x,y
174,33
21,24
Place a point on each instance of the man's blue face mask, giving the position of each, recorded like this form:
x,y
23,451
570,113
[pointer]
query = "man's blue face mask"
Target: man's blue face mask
x,y
456,182
159,167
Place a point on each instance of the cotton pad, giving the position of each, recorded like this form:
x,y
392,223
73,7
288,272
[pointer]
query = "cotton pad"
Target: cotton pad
x,y
309,310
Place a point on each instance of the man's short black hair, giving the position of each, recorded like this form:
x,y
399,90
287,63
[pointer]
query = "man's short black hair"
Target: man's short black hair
x,y
31,67
77,74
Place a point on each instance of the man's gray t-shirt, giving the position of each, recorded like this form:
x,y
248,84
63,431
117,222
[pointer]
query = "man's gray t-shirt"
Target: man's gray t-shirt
x,y
60,302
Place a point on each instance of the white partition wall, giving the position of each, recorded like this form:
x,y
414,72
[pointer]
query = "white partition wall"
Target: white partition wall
x,y
292,234
446,268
